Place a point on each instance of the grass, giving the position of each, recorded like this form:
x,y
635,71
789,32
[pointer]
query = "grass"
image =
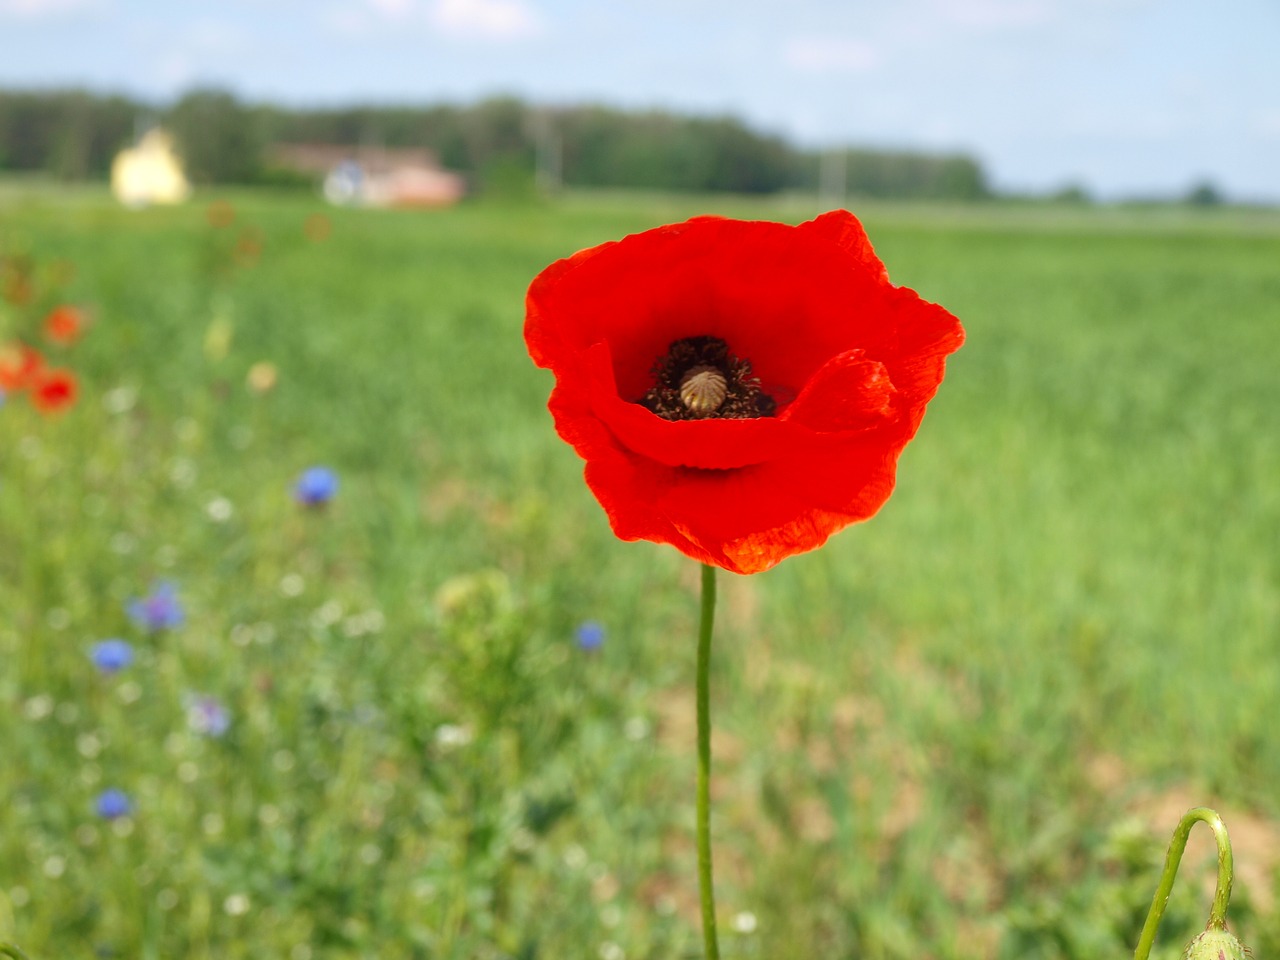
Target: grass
x,y
957,731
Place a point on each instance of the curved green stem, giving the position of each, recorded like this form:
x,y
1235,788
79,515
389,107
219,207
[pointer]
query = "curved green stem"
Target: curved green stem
x,y
9,950
705,887
1221,896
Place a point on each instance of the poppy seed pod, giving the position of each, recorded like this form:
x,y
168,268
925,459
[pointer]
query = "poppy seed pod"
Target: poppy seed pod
x,y
1216,944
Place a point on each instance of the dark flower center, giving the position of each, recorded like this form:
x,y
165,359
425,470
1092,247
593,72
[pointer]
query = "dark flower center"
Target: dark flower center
x,y
699,379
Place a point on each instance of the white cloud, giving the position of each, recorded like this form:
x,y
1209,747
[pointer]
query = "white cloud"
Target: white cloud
x,y
1267,123
830,55
998,14
486,19
174,71
396,9
214,36
43,8
345,22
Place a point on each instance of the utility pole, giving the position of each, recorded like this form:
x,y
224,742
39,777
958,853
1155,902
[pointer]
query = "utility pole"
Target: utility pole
x,y
831,178
548,147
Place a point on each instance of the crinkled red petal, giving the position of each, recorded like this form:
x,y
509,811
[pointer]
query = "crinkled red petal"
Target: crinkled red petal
x,y
784,298
851,359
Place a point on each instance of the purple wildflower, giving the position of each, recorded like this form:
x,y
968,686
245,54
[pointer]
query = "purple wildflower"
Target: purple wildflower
x,y
207,715
159,610
316,487
590,636
113,804
111,656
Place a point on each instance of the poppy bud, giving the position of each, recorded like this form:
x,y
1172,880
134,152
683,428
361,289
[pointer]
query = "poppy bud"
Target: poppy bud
x,y
1216,944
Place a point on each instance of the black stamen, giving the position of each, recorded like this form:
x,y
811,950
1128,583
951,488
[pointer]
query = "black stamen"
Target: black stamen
x,y
744,398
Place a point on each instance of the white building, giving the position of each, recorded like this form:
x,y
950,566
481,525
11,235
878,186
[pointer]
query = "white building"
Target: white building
x,y
149,172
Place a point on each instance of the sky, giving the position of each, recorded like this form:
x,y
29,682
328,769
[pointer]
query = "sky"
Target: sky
x,y
1125,97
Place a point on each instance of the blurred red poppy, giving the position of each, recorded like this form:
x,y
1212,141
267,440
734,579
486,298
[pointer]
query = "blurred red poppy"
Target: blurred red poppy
x,y
220,214
738,389
317,227
19,365
53,390
248,247
15,280
64,324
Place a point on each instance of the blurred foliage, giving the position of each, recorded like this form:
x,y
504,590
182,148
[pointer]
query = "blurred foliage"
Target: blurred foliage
x,y
221,141
74,134
954,732
1204,194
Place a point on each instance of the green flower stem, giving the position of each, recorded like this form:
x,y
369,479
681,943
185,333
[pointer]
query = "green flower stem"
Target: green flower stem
x,y
704,763
1221,896
9,950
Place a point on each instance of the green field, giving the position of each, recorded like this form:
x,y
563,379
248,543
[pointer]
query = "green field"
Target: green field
x,y
963,729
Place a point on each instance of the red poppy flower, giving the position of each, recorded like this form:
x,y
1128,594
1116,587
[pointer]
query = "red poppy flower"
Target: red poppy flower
x,y
740,390
19,366
64,324
53,390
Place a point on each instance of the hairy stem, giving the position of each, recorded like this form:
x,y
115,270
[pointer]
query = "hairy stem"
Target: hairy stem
x,y
704,764
1221,896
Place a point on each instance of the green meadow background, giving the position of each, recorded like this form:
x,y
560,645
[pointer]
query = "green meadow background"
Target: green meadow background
x,y
964,729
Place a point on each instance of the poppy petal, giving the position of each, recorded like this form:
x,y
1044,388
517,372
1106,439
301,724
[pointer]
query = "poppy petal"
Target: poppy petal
x,y
849,359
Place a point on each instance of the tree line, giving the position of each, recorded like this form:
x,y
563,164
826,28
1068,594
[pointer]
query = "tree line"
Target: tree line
x,y
500,143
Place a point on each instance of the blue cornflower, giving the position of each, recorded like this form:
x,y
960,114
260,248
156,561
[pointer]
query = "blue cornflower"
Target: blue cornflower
x,y
113,804
590,636
110,656
158,610
206,715
316,487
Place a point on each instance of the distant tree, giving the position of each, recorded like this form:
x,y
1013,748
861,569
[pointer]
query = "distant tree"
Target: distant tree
x,y
28,127
960,178
508,177
603,147
69,133
76,134
220,140
1071,193
441,129
742,160
901,175
1203,194
498,128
